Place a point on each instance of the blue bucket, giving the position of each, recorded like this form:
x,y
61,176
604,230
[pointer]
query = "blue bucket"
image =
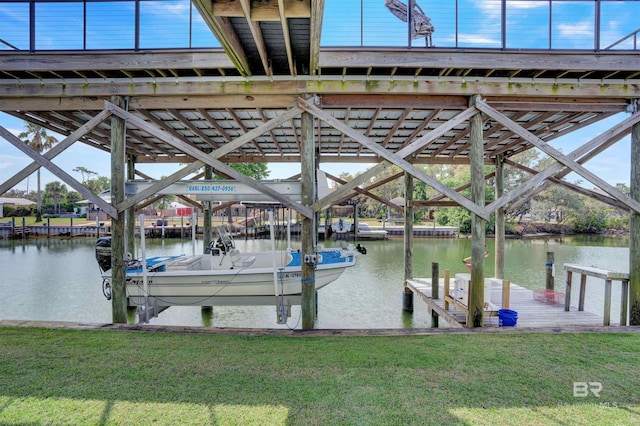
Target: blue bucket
x,y
507,318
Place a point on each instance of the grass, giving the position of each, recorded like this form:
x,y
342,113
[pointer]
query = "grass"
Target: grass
x,y
54,221
109,377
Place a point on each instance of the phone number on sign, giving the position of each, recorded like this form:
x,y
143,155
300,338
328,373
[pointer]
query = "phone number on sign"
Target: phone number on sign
x,y
211,188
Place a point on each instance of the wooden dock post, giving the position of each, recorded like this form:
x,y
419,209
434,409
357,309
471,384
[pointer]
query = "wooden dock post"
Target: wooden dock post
x,y
634,229
447,287
608,277
567,295
407,294
130,213
607,302
118,266
500,219
624,305
308,169
506,294
435,287
550,271
207,235
583,290
476,157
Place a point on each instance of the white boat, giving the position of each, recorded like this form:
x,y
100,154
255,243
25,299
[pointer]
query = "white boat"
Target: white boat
x,y
226,276
365,232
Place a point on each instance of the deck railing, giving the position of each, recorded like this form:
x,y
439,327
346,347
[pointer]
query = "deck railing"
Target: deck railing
x,y
591,25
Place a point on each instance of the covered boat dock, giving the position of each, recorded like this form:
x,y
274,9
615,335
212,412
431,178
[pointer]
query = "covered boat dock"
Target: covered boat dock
x,y
272,92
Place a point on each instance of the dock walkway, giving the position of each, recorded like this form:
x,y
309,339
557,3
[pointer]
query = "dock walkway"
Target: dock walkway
x,y
531,312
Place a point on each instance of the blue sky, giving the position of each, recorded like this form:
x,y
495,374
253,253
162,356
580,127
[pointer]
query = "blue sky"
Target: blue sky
x,y
166,23
462,23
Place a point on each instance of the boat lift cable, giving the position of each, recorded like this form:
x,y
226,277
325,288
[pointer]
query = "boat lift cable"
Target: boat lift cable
x,y
143,265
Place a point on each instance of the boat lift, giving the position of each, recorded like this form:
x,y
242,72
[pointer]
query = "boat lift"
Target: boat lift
x,y
228,190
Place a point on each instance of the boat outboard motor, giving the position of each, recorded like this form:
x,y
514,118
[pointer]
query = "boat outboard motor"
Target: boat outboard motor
x,y
103,253
362,249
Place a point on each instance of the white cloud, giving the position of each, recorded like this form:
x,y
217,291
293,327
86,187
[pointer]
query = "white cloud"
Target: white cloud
x,y
18,14
584,28
476,39
526,4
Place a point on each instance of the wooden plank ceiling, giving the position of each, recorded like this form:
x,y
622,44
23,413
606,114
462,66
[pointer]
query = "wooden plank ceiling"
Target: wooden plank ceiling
x,y
271,55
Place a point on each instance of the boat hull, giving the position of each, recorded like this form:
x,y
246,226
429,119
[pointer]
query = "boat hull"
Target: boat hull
x,y
239,283
217,279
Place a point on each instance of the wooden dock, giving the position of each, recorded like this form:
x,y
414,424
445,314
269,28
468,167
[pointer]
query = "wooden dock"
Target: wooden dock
x,y
531,312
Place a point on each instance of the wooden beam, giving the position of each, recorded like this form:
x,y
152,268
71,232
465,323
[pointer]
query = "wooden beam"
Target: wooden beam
x,y
588,193
208,159
214,101
349,186
220,152
415,58
499,220
418,101
118,265
42,161
408,231
588,151
365,192
256,32
558,156
326,84
315,32
308,170
55,150
195,129
394,158
265,10
634,230
226,35
475,316
166,127
114,60
240,125
287,37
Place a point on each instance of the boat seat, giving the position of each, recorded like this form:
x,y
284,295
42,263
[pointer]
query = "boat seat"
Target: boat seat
x,y
239,260
187,263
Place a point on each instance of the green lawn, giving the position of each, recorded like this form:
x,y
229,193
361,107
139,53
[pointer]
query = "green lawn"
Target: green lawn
x,y
54,221
110,377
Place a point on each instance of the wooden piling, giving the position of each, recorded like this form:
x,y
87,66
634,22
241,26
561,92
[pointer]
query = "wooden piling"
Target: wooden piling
x,y
447,287
500,219
308,268
207,235
118,266
476,157
550,270
407,294
634,230
506,294
131,211
435,288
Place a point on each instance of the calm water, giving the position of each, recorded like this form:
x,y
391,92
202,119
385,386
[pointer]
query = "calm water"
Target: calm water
x,y
59,280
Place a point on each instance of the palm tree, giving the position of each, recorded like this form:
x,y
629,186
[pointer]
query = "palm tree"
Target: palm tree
x,y
37,138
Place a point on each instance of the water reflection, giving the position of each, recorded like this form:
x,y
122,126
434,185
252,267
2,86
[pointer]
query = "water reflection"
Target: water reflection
x,y
59,280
